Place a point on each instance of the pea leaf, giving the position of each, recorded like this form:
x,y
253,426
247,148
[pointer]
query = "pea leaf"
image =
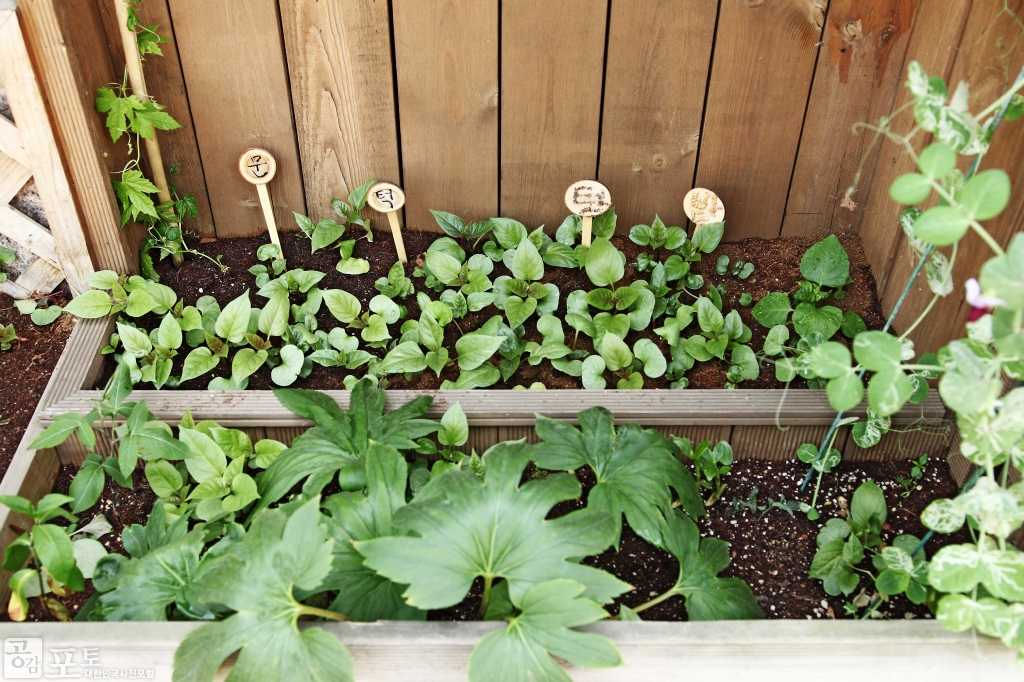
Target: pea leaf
x,y
807,320
497,528
636,469
256,579
523,650
986,194
826,263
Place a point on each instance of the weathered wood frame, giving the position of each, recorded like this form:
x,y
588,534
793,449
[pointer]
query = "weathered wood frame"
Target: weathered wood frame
x,y
723,651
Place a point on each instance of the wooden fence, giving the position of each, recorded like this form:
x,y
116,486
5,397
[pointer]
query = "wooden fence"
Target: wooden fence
x,y
488,107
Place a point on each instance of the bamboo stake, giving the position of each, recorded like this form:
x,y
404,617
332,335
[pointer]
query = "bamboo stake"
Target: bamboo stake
x,y
388,198
588,198
133,62
258,167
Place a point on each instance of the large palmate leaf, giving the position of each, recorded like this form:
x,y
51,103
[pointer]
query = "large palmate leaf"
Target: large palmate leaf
x,y
635,469
523,649
493,528
363,594
339,442
256,579
146,587
708,597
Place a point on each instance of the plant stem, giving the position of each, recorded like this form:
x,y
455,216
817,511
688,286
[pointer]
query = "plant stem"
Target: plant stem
x,y
321,613
488,581
657,600
39,574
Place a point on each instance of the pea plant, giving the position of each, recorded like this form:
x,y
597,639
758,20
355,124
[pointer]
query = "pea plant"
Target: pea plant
x,y
329,233
245,538
979,584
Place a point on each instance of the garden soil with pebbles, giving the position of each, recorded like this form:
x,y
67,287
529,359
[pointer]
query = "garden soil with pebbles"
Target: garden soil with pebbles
x,y
776,268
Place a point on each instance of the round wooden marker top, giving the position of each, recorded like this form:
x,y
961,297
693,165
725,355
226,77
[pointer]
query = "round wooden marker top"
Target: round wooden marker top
x,y
385,197
257,166
703,206
588,198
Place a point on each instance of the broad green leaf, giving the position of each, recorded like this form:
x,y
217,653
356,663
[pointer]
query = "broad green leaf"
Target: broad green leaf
x,y
954,568
508,232
775,341
845,392
635,469
527,263
454,429
233,321
163,478
830,360
941,226
386,308
147,586
198,362
483,376
877,351
708,597
89,305
344,306
593,373
772,310
87,485
709,317
605,264
257,579
615,352
910,189
523,650
648,353
53,549
986,194
405,357
937,160
868,502
291,364
363,595
808,319
246,362
888,391
475,349
744,359
493,528
135,341
518,310
443,266
943,516
707,237
826,263
273,319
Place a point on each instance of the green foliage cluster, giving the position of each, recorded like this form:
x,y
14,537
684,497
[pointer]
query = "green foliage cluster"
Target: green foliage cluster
x,y
245,537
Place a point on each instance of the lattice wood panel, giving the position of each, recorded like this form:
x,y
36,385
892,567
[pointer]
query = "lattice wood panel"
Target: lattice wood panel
x,y
29,150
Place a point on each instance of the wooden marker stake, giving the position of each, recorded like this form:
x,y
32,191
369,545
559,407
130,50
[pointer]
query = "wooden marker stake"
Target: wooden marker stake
x,y
588,198
388,198
259,167
702,206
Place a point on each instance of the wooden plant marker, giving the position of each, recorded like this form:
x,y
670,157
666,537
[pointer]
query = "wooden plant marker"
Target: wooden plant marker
x,y
588,198
387,198
702,206
259,167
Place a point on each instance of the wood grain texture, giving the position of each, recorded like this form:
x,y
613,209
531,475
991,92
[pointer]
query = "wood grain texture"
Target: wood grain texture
x,y
551,74
656,72
760,77
165,83
67,81
978,63
339,63
36,146
17,226
10,138
446,55
13,176
937,32
858,76
234,66
775,444
723,651
40,277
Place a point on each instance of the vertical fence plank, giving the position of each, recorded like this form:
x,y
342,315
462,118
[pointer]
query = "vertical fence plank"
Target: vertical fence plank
x,y
339,61
760,77
980,62
63,69
447,62
234,66
552,57
657,68
937,32
858,76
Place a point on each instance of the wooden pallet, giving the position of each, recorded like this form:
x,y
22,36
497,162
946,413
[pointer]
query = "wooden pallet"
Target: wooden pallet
x,y
29,150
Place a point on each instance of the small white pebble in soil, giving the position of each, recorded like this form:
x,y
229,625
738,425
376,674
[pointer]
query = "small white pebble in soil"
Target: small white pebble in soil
x,y
909,616
773,607
654,593
760,582
200,290
824,603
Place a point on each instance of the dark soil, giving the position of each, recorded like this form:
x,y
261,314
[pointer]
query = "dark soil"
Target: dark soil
x,y
25,369
776,264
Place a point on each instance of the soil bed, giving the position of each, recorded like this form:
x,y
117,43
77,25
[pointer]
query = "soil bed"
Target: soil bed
x,y
770,550
776,263
25,369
